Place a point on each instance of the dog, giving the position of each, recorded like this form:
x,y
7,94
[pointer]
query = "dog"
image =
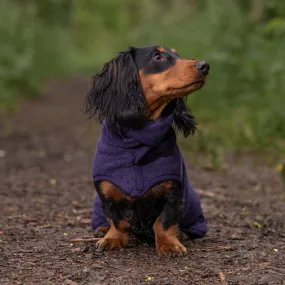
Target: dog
x,y
138,171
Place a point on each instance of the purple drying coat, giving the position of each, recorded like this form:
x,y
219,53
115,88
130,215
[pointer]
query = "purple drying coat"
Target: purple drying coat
x,y
140,159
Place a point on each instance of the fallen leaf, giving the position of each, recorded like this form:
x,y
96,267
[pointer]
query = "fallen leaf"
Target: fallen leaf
x,y
42,154
222,276
258,225
75,203
148,278
279,167
52,181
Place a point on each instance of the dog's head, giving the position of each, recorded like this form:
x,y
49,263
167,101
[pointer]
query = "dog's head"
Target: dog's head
x,y
141,83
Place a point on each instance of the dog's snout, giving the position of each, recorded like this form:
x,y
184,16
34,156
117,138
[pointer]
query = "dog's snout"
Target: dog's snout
x,y
203,67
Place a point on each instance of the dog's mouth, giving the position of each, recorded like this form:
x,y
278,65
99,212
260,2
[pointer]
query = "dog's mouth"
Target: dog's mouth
x,y
198,82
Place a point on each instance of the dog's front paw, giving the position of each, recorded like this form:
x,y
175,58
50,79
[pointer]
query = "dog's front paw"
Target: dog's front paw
x,y
101,231
108,243
170,248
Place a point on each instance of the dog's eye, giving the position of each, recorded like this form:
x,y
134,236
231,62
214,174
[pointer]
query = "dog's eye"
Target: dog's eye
x,y
157,57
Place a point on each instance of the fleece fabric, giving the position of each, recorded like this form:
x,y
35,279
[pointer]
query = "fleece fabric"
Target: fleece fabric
x,y
138,160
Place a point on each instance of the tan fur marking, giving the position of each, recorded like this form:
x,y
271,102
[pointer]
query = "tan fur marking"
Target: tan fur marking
x,y
124,226
101,231
112,191
114,239
166,241
160,189
177,81
161,49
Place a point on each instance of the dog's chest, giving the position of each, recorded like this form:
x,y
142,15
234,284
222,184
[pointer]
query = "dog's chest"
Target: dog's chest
x,y
142,213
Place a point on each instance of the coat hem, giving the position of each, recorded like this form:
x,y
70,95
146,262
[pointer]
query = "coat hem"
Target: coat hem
x,y
134,193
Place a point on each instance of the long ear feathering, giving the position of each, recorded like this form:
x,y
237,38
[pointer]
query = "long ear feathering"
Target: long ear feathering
x,y
116,95
184,121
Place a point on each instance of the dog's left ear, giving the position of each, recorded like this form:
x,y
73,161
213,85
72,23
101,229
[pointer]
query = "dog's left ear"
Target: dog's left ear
x,y
116,94
184,121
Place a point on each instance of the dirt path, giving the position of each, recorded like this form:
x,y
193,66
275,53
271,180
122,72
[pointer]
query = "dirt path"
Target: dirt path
x,y
46,198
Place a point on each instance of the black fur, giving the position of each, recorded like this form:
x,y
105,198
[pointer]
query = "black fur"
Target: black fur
x,y
114,210
142,212
184,121
145,62
172,207
116,94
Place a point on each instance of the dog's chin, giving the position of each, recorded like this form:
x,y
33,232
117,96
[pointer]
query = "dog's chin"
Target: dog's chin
x,y
191,88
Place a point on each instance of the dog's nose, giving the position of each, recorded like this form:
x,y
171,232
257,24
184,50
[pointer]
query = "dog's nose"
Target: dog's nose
x,y
203,67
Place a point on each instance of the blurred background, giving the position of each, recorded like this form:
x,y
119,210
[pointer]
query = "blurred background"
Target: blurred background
x,y
240,108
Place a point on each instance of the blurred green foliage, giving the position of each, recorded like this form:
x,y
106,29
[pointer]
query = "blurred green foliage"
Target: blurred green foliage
x,y
241,106
30,49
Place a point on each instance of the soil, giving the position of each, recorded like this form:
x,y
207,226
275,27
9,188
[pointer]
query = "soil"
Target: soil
x,y
46,200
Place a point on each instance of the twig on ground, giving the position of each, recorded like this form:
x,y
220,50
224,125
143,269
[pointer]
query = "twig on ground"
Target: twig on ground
x,y
217,247
90,239
222,247
82,211
206,193
84,239
47,226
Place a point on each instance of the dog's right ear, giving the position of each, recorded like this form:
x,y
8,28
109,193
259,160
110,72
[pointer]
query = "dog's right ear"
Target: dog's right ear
x,y
116,94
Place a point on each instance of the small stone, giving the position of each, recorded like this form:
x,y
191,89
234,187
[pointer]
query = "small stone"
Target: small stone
x,y
264,280
69,282
2,153
77,249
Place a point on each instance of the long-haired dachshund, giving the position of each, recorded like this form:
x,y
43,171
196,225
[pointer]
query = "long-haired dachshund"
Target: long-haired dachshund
x,y
138,171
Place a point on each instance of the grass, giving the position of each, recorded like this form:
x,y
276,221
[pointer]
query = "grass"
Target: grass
x,y
240,108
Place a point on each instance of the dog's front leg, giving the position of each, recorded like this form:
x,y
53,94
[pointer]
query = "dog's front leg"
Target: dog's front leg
x,y
114,202
165,226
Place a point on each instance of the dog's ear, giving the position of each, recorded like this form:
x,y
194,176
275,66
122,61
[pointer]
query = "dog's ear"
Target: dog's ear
x,y
116,94
184,121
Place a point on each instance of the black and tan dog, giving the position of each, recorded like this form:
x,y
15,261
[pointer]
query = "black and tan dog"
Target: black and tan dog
x,y
138,170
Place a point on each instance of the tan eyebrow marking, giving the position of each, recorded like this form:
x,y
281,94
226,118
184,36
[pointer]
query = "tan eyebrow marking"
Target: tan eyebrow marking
x,y
174,50
161,49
